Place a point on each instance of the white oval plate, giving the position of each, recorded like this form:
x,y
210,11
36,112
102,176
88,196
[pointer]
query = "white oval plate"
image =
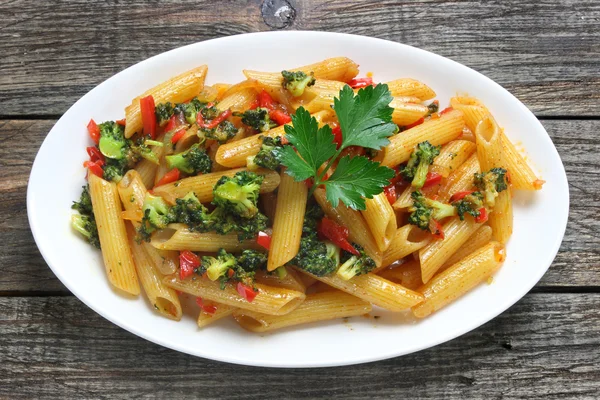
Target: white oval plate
x,y
57,177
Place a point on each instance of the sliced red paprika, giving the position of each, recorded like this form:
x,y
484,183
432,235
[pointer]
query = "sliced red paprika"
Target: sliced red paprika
x,y
361,82
147,109
207,308
337,136
433,178
171,176
280,117
264,240
95,167
460,195
337,234
446,110
416,123
121,122
436,229
178,135
390,193
94,131
254,105
247,292
188,262
95,154
172,124
265,100
220,118
483,215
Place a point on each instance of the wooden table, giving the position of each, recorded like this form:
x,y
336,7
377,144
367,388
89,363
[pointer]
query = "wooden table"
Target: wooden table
x,y
547,53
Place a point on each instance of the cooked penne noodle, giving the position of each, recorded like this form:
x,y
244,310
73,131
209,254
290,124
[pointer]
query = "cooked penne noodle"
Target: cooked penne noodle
x,y
407,113
407,240
454,154
435,254
292,280
357,227
437,131
113,236
188,139
147,171
221,311
238,101
202,185
321,306
473,110
479,238
381,220
410,87
269,300
460,278
405,200
287,226
376,290
460,180
161,297
235,154
407,275
522,176
176,90
182,238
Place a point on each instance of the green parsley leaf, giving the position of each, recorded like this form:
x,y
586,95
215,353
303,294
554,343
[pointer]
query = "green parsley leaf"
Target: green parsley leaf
x,y
365,118
314,146
355,178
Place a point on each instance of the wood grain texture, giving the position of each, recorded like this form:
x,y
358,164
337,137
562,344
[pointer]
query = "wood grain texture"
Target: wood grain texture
x,y
546,52
577,263
546,346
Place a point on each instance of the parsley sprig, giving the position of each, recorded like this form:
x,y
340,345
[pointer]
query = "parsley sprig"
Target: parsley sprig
x,y
365,120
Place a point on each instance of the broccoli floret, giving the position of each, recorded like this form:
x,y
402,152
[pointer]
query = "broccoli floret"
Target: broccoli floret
x,y
433,107
312,216
316,257
248,263
113,170
418,164
190,110
258,119
164,112
86,225
188,210
424,212
238,194
355,265
267,156
192,161
296,82
84,205
156,216
112,140
470,204
222,133
216,267
224,222
491,183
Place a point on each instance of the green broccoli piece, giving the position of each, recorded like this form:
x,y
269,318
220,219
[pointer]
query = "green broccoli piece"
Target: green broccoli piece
x,y
355,265
113,170
217,267
418,164
267,155
312,216
113,143
316,257
192,161
433,107
470,204
222,133
86,225
157,215
425,212
164,112
296,82
188,210
238,194
248,263
491,183
84,205
258,119
190,110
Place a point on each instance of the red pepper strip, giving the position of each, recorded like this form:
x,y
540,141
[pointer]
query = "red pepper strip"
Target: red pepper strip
x,y
207,308
171,176
460,195
390,193
360,82
433,178
446,110
337,136
483,215
215,122
95,167
230,273
121,122
416,123
95,154
338,234
147,109
178,135
188,262
264,240
280,117
172,124
436,229
246,292
254,105
94,131
309,183
265,100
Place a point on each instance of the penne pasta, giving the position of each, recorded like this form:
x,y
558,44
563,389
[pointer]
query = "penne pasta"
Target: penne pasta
x,y
180,238
220,311
407,275
238,101
522,176
453,155
460,180
472,109
322,306
381,220
407,113
411,87
407,240
479,238
292,279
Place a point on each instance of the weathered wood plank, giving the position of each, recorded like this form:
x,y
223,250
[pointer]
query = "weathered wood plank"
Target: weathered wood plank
x,y
577,263
545,52
546,346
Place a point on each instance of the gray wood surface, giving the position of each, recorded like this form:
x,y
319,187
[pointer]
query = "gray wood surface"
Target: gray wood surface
x,y
545,52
